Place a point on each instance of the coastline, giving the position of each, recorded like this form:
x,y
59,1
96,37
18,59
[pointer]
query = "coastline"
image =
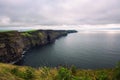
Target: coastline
x,y
14,44
22,56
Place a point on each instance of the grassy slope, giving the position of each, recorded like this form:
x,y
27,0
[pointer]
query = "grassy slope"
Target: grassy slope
x,y
12,72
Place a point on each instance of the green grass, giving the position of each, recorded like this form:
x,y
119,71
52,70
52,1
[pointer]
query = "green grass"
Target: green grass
x,y
26,34
6,30
30,31
12,72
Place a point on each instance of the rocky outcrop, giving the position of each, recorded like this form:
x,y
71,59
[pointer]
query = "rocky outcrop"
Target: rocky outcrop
x,y
11,46
40,37
13,43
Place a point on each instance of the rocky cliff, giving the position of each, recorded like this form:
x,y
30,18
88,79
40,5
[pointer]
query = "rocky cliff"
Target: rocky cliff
x,y
13,43
11,46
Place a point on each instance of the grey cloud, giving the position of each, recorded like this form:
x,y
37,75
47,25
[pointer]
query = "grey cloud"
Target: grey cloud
x,y
61,11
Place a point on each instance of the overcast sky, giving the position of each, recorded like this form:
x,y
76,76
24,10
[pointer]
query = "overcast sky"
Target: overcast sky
x,y
18,12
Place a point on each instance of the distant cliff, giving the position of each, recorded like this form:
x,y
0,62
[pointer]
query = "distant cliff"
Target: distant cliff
x,y
13,43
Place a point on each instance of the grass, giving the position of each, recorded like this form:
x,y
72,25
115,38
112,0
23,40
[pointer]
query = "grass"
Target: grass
x,y
7,30
26,34
29,31
16,30
12,72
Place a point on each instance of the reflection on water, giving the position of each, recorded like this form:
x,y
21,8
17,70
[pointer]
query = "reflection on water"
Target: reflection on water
x,y
84,50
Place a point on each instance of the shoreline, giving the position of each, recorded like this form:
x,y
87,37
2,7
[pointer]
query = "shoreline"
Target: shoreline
x,y
22,56
18,43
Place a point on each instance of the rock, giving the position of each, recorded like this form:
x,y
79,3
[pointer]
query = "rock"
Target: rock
x,y
2,45
11,46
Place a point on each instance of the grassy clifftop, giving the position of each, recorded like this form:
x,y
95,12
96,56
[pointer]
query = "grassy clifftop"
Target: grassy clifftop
x,y
11,72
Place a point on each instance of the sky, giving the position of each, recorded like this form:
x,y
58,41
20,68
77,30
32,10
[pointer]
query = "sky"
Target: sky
x,y
59,12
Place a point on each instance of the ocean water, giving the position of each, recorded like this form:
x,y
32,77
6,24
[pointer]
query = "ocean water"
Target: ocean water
x,y
89,50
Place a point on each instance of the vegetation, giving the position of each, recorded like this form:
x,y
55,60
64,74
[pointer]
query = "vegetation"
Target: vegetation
x,y
117,72
6,30
29,31
13,72
26,34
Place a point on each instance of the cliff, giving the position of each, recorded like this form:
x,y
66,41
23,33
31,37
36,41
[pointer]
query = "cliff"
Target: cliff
x,y
13,43
11,46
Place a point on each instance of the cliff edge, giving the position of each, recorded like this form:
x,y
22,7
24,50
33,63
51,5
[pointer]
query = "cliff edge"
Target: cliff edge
x,y
13,43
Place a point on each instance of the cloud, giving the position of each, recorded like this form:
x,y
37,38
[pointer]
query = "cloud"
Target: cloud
x,y
4,20
60,11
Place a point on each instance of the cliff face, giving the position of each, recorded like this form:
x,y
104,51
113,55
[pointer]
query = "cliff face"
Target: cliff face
x,y
13,43
40,37
11,46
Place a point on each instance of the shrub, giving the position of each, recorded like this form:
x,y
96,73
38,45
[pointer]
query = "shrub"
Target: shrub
x,y
73,70
28,74
64,74
45,72
117,72
84,78
102,76
76,78
15,71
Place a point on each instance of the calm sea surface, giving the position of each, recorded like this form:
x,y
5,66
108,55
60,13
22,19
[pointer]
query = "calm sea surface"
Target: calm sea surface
x,y
84,50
